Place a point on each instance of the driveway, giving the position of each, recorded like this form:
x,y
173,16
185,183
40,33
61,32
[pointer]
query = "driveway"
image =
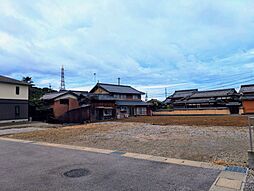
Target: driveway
x,y
27,166
19,130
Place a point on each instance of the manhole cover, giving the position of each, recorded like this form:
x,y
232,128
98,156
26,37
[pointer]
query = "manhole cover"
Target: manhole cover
x,y
76,173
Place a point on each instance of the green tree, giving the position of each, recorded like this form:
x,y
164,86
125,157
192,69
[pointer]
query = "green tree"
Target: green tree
x,y
28,80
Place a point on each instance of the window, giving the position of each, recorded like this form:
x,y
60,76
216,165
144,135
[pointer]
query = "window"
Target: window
x,y
123,108
135,96
17,90
141,111
17,110
123,96
116,96
64,101
108,112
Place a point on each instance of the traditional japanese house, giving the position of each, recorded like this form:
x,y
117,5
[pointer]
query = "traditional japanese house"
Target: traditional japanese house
x,y
222,98
127,99
247,98
222,101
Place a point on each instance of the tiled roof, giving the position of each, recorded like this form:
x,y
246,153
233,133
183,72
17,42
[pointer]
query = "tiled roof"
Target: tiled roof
x,y
50,96
54,95
8,80
122,89
132,103
183,93
247,88
202,100
213,93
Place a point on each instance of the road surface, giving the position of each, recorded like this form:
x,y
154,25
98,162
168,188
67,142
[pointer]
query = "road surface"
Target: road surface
x,y
30,167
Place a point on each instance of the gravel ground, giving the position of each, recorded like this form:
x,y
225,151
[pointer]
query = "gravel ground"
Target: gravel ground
x,y
28,125
221,145
249,185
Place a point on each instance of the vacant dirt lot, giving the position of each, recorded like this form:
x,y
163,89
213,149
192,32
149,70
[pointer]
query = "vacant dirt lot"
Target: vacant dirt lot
x,y
218,144
235,121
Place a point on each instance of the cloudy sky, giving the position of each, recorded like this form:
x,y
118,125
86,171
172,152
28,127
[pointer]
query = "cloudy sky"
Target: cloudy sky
x,y
152,45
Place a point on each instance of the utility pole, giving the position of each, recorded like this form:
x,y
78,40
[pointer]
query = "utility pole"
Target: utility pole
x,y
62,87
146,97
166,93
119,80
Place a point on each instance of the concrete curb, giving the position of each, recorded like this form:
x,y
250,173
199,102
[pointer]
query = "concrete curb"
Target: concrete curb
x,y
125,154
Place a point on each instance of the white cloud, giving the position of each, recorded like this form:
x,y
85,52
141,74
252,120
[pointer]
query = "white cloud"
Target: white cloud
x,y
146,43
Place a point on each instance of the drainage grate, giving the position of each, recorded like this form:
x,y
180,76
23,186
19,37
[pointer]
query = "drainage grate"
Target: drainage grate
x,y
236,169
76,173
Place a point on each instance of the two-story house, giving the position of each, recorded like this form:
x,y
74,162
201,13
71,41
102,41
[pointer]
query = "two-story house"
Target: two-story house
x,y
127,99
13,100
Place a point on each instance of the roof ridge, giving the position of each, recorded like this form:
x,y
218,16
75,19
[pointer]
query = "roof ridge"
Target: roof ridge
x,y
186,90
247,85
215,90
114,85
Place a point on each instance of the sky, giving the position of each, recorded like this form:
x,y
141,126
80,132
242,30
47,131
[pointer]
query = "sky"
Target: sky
x,y
151,45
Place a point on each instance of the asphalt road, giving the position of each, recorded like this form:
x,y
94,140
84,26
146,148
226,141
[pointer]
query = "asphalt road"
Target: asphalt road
x,y
25,166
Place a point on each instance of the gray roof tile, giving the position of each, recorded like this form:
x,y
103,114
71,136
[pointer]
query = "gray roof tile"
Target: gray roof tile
x,y
122,89
214,93
183,93
8,80
247,88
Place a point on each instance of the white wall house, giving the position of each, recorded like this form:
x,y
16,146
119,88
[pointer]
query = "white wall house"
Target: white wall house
x,y
13,100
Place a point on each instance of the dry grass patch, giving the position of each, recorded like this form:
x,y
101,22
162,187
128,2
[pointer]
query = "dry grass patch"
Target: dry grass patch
x,y
234,121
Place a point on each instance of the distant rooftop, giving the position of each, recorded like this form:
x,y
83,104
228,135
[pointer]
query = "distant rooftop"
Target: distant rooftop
x,y
54,95
214,93
247,88
121,89
183,93
8,80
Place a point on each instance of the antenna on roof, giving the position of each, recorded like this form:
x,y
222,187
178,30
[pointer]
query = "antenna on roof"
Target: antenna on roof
x,y
62,87
119,81
146,97
94,77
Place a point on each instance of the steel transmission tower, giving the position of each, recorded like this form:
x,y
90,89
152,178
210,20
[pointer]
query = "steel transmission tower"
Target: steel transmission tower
x,y
62,79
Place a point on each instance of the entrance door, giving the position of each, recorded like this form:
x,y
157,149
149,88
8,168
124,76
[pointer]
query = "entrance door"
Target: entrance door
x,y
132,112
234,110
